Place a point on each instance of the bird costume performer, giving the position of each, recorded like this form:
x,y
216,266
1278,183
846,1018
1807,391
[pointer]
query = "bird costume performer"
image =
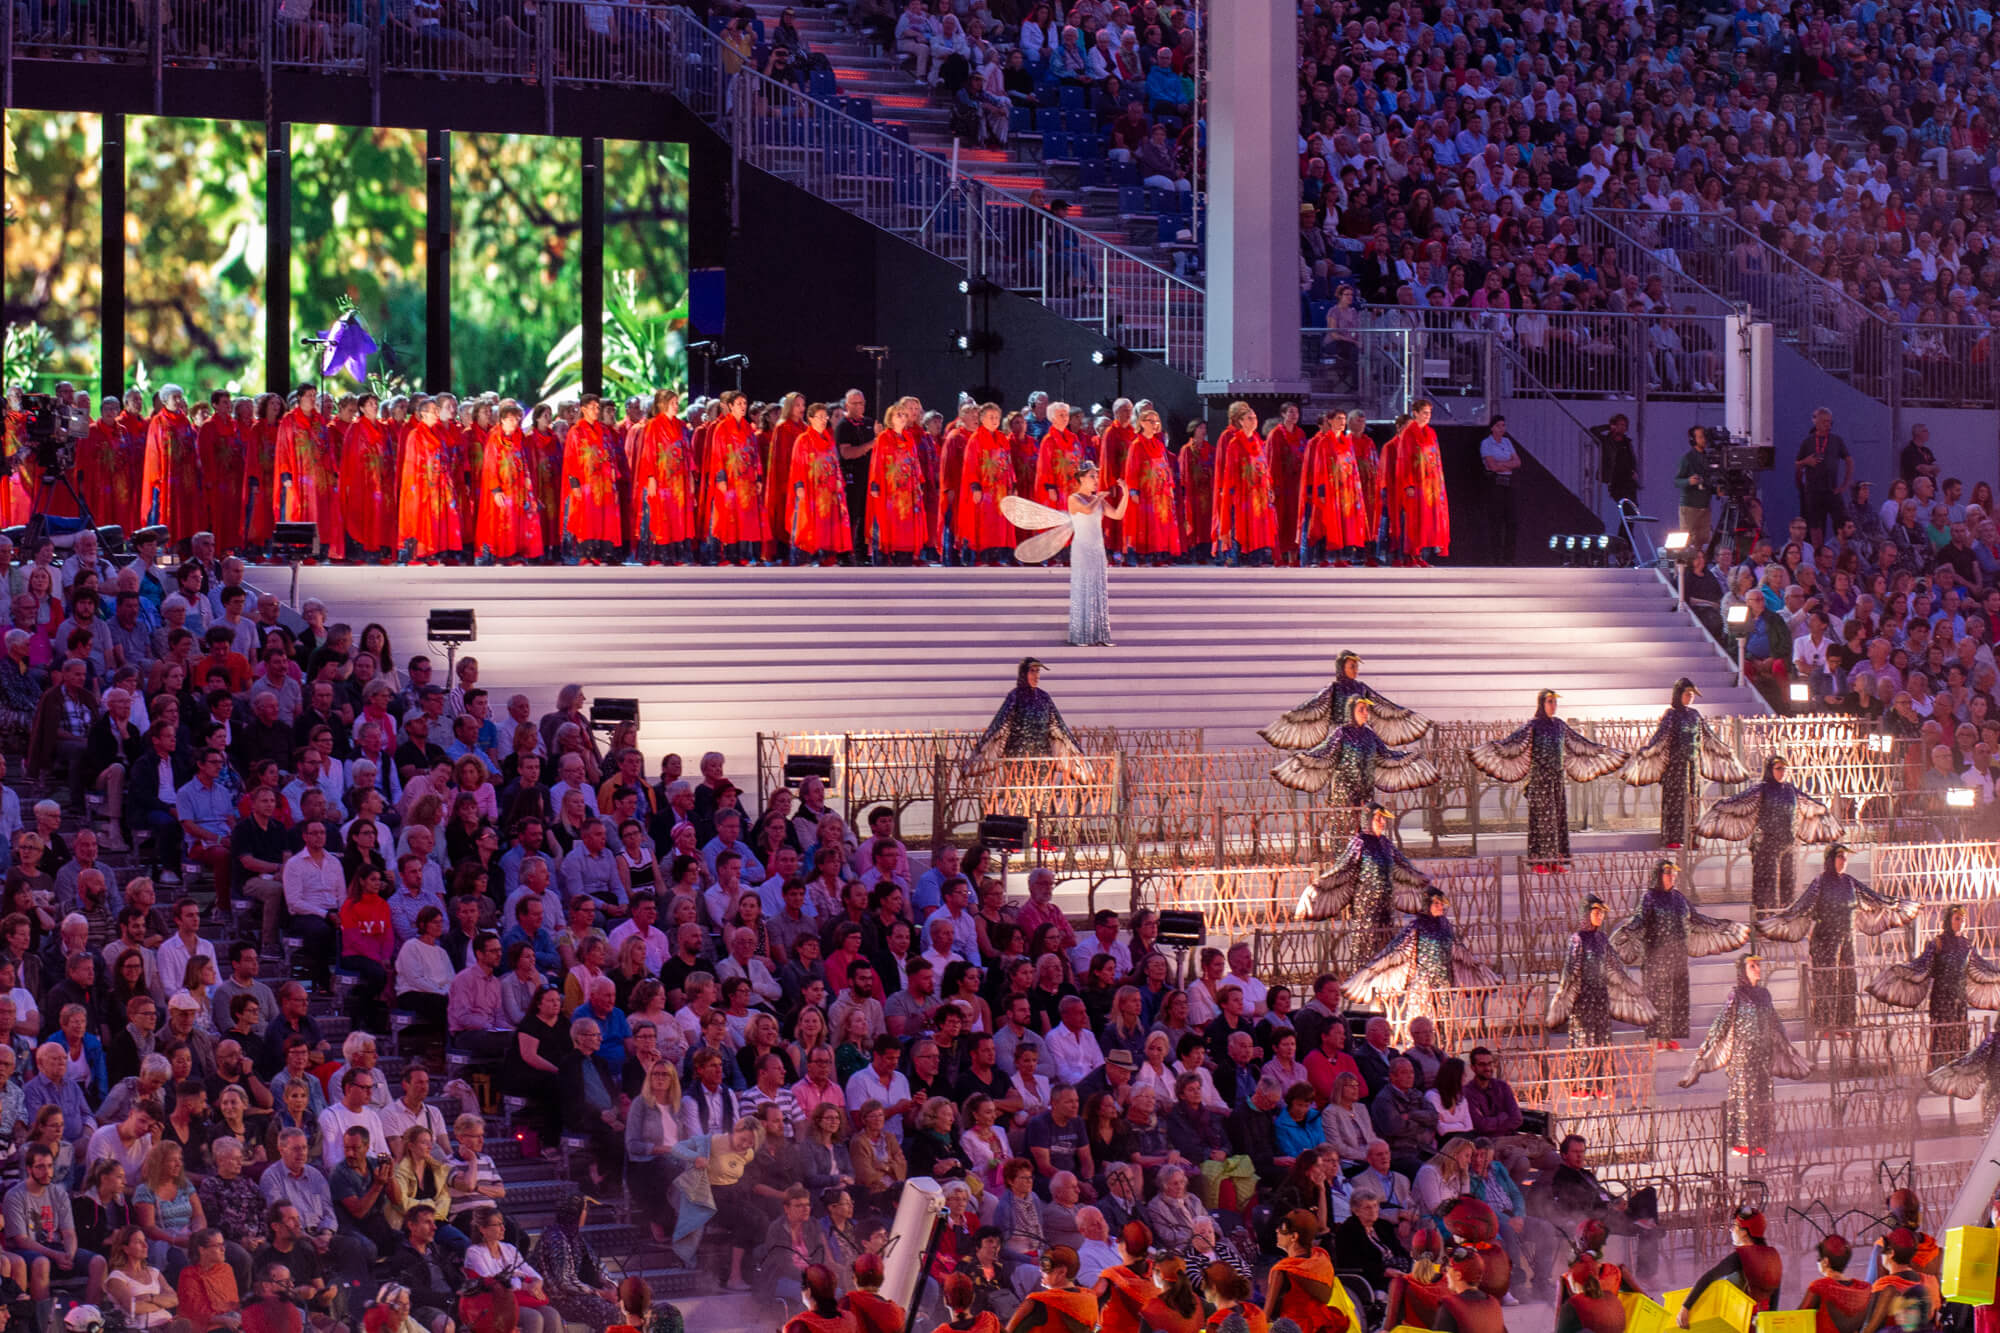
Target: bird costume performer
x,y
1826,915
1684,750
1369,880
1595,988
1775,816
1952,975
1424,956
1354,762
1028,724
1659,939
1307,726
1544,752
1748,1039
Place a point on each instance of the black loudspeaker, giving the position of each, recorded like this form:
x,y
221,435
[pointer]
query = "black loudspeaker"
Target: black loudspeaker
x,y
799,767
608,713
294,541
451,625
1004,833
1182,930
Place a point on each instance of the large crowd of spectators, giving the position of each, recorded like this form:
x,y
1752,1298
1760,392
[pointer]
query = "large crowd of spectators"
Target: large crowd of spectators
x,y
1447,154
1881,599
746,1026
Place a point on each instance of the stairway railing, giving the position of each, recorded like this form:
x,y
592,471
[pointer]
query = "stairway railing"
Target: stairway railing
x,y
994,234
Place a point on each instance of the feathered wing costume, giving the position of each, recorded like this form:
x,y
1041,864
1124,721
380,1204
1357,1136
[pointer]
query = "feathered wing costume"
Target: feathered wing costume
x,y
1683,752
1775,816
1748,1039
1659,939
1424,956
1352,763
1826,915
1307,725
1544,752
1052,528
1369,881
1953,976
1028,724
1974,1074
1596,990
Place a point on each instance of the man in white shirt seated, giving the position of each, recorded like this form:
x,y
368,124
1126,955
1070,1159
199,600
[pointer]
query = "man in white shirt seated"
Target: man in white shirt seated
x,y
1103,938
742,962
956,907
352,1110
1071,1047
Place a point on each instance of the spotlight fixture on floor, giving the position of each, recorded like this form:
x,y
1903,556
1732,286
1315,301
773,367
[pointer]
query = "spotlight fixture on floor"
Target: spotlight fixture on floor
x,y
1959,798
1800,694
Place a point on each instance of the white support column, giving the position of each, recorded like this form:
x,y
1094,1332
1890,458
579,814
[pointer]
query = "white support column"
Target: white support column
x,y
1251,341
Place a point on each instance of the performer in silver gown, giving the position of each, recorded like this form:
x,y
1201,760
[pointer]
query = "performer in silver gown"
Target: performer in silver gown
x,y
1080,527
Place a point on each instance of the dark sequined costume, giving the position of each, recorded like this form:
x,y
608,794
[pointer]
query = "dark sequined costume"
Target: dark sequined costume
x,y
1353,762
1307,725
1544,752
1370,881
1424,956
1748,1040
1826,915
1595,990
1953,976
1660,938
1682,753
1775,816
1027,725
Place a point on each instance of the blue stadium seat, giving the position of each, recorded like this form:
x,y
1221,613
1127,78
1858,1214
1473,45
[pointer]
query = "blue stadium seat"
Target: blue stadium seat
x,y
898,131
1073,99
1021,120
861,108
1056,148
1123,173
1132,201
1079,122
1169,230
1316,316
1090,175
1048,120
821,83
1087,145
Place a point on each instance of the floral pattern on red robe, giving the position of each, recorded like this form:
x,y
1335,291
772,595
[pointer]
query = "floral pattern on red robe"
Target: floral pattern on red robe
x,y
1245,518
986,476
368,485
509,526
428,520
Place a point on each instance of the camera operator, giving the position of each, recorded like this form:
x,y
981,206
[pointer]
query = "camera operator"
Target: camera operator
x,y
1823,470
1692,478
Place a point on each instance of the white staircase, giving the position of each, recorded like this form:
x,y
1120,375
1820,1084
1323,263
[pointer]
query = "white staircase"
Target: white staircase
x,y
715,656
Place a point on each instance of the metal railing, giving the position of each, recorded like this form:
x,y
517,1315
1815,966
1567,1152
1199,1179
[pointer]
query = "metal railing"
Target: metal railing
x,y
1809,313
993,233
1570,455
1475,358
1642,250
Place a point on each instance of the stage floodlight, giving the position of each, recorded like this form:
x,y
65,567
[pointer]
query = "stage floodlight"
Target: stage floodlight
x,y
455,625
1959,798
1676,541
1801,692
1739,615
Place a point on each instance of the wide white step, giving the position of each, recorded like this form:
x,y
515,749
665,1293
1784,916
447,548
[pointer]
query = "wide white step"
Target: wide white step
x,y
715,656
